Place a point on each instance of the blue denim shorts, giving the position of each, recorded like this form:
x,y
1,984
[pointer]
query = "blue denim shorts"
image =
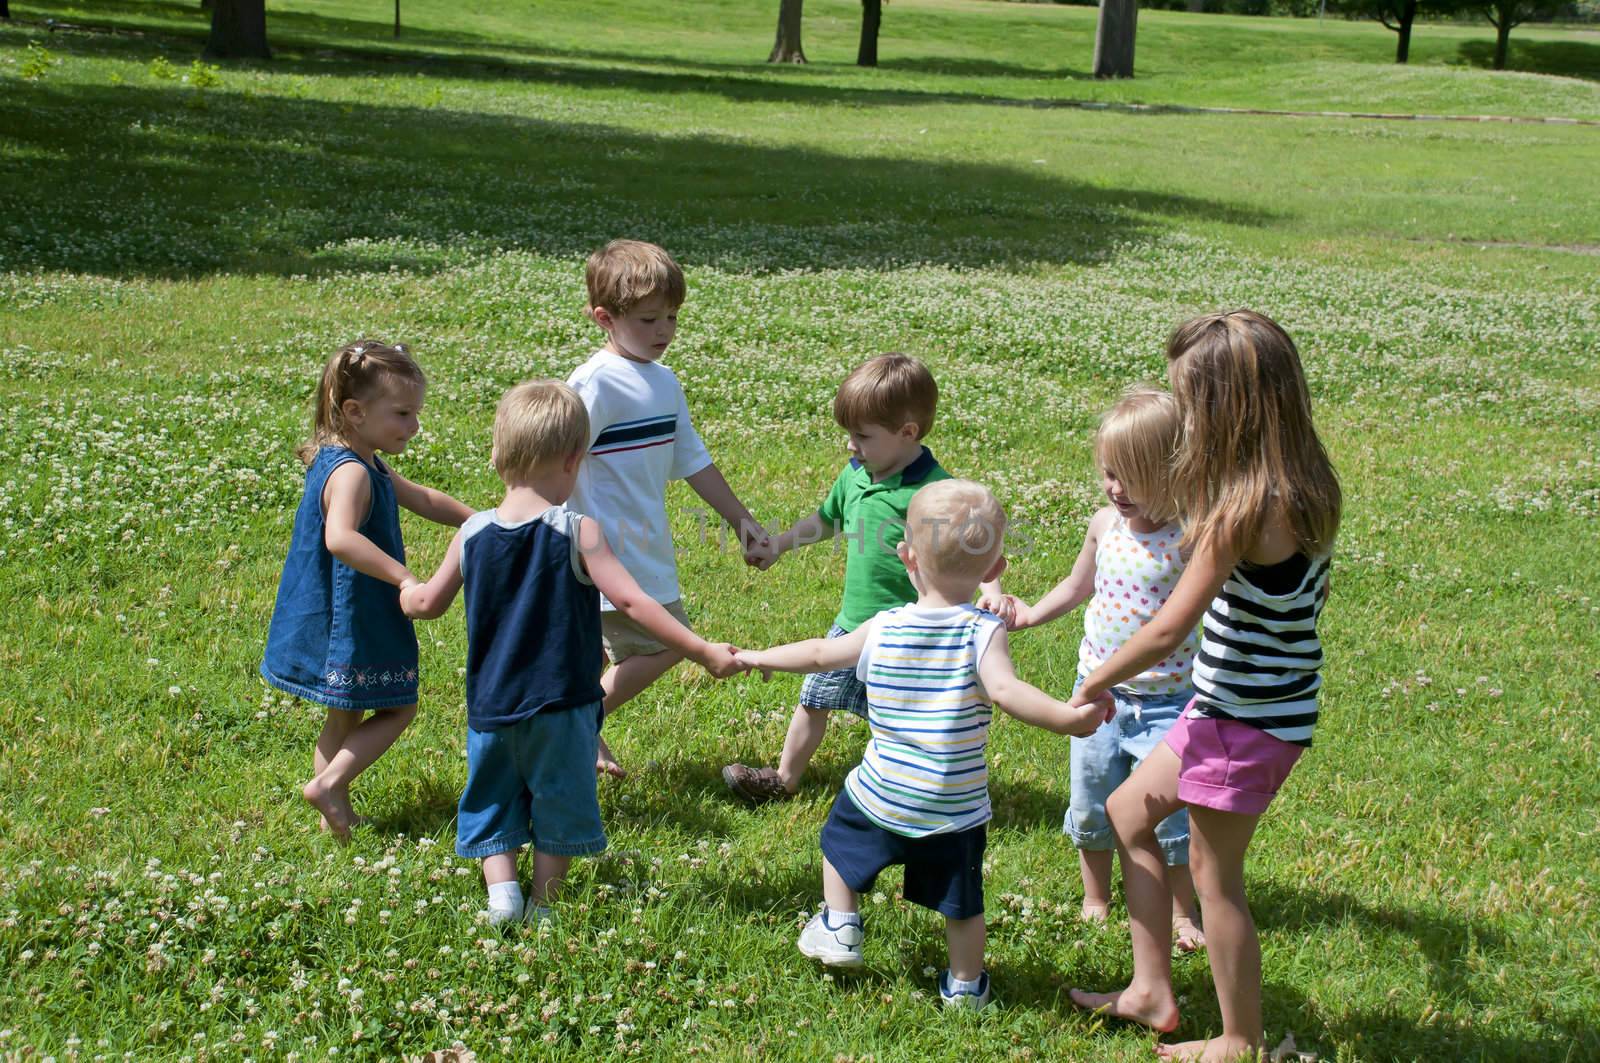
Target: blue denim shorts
x,y
943,871
1102,761
533,783
832,691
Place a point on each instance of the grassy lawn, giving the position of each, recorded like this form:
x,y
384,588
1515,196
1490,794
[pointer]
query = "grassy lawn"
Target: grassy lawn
x,y
177,261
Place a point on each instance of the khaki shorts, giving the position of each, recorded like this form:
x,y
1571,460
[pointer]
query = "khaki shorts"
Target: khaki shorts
x,y
623,638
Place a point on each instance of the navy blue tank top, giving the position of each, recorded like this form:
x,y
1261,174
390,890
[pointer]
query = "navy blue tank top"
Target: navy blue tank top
x,y
533,618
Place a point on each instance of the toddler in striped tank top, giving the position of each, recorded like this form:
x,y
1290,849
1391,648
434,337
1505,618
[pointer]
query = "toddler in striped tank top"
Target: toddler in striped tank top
x,y
920,797
1260,506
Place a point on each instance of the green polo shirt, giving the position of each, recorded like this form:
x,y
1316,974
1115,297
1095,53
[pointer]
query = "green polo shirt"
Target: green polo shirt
x,y
869,521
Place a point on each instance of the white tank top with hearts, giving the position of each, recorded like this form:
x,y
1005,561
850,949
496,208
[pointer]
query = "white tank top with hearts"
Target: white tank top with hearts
x,y
1134,573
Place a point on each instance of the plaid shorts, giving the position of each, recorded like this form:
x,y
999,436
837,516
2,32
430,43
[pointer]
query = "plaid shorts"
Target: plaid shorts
x,y
832,691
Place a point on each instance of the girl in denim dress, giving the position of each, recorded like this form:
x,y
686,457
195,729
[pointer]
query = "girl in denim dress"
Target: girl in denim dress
x,y
338,637
1128,566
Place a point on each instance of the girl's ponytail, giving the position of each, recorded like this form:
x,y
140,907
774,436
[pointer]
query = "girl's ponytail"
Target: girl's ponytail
x,y
356,371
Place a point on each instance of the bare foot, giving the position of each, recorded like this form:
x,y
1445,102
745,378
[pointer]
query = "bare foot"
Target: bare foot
x,y
1214,1050
356,820
1095,911
334,806
1157,1011
1186,936
606,764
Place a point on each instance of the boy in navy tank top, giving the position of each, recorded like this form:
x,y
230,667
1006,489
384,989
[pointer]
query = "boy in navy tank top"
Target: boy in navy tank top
x,y
533,572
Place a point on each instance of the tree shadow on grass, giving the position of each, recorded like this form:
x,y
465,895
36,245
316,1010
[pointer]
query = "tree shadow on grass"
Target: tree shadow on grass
x,y
138,181
1572,59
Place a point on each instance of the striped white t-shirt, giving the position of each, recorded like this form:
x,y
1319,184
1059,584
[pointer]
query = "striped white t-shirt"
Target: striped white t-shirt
x,y
1259,655
640,437
924,772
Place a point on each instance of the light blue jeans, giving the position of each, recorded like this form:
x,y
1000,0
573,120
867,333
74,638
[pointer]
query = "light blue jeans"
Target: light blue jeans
x,y
1102,761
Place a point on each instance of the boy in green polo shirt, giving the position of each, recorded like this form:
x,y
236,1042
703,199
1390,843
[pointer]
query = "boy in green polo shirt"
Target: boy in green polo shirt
x,y
887,406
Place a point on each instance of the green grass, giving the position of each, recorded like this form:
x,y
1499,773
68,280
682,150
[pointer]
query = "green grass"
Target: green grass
x,y
176,262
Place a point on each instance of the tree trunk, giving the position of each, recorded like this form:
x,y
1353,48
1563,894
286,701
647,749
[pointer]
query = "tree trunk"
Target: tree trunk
x,y
871,18
397,18
1408,15
786,48
1113,38
5,8
238,30
1502,39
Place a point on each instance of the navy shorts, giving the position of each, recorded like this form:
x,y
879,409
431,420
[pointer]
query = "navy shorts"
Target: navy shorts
x,y
943,871
533,783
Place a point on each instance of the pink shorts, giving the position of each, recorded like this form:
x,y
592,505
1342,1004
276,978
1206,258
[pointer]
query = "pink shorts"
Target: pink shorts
x,y
1228,765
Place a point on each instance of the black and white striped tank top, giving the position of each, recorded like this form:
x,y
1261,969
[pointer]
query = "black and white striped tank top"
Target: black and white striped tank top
x,y
1259,657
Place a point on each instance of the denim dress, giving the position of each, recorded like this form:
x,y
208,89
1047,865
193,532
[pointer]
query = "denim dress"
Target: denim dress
x,y
338,637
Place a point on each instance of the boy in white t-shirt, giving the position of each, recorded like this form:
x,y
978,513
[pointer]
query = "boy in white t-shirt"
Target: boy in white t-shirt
x,y
641,437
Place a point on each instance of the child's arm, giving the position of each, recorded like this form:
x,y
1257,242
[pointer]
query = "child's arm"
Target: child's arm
x,y
712,487
1073,591
346,497
812,655
1030,704
622,591
427,502
425,601
1202,578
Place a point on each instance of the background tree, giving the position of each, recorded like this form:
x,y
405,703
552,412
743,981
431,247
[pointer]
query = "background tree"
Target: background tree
x,y
5,8
238,30
871,19
786,48
1398,16
1113,38
1503,14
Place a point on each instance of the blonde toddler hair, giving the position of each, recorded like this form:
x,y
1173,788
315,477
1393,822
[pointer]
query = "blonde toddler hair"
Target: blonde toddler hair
x,y
536,423
625,273
957,529
1137,440
891,390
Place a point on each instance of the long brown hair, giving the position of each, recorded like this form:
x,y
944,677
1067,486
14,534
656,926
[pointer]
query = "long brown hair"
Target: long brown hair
x,y
1249,447
356,371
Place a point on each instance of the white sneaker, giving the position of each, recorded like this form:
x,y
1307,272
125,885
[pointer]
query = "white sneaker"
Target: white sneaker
x,y
964,998
840,947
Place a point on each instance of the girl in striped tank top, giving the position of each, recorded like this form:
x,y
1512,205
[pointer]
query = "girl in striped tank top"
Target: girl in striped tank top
x,y
1260,506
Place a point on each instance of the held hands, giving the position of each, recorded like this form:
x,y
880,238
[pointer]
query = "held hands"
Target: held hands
x,y
721,660
750,660
1012,611
408,595
1092,712
761,553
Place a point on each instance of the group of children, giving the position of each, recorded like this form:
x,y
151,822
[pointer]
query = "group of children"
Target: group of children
x,y
1198,671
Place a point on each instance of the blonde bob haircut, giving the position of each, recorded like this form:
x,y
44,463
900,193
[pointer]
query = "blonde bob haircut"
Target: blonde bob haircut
x,y
957,529
1137,440
625,273
891,390
537,423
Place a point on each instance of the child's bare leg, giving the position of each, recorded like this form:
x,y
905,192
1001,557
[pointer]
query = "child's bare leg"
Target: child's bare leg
x,y
330,790
501,867
1095,867
966,939
548,874
1148,796
806,728
838,896
336,727
622,683
1185,915
1217,843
